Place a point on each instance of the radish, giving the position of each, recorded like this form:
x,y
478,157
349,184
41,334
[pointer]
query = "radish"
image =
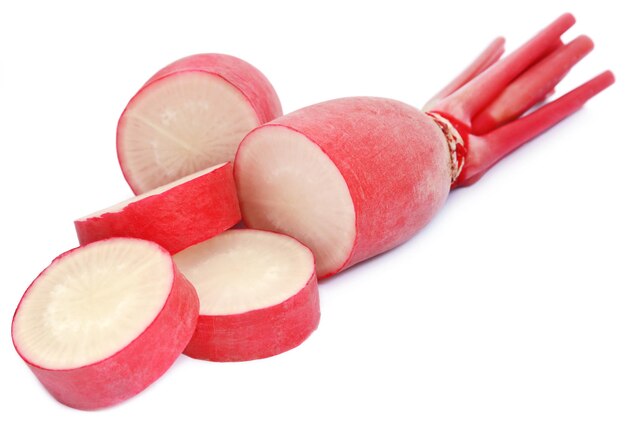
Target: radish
x,y
258,295
189,116
351,178
104,321
176,215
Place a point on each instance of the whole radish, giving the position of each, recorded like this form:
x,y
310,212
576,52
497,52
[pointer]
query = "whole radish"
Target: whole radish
x,y
354,177
189,116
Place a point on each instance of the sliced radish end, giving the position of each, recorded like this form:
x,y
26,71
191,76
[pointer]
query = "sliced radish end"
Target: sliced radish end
x,y
532,86
287,184
469,100
258,294
89,324
180,124
488,57
208,200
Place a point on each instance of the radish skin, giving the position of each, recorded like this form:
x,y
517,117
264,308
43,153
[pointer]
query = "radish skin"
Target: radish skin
x,y
130,368
189,116
176,216
258,295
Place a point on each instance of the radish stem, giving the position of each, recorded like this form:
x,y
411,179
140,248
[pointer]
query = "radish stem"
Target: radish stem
x,y
473,97
532,86
489,149
488,57
488,109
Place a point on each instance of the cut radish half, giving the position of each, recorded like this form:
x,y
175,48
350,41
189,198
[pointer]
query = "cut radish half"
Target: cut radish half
x,y
176,215
191,115
258,295
350,178
286,183
104,321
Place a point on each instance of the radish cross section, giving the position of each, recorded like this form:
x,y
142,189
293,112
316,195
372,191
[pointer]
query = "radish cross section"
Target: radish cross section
x,y
288,184
191,115
258,294
104,321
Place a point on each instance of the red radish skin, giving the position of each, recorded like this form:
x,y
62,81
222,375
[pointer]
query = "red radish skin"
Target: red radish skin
x,y
191,115
187,212
397,162
237,321
137,365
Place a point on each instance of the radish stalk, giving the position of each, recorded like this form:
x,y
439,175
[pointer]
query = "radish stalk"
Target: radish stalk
x,y
492,53
485,151
354,177
104,321
471,98
486,110
534,85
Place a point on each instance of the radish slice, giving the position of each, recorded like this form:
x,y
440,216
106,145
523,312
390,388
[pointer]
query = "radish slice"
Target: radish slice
x,y
258,295
104,321
191,115
207,200
288,184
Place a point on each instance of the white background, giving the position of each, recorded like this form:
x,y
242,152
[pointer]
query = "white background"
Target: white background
x,y
508,308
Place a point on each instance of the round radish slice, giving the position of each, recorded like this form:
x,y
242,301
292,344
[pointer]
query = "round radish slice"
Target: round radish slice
x,y
190,115
258,295
104,321
176,215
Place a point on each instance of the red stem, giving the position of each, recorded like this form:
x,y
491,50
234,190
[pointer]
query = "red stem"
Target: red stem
x,y
532,86
474,96
487,102
489,149
488,57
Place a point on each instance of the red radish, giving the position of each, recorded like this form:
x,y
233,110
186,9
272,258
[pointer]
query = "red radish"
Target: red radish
x,y
354,177
189,116
104,321
176,215
258,295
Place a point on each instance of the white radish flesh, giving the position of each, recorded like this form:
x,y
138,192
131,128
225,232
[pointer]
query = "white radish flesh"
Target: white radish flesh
x,y
179,125
288,184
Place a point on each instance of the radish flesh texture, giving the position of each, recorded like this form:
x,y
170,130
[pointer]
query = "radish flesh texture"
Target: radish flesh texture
x,y
176,215
189,116
104,321
258,295
354,177
346,188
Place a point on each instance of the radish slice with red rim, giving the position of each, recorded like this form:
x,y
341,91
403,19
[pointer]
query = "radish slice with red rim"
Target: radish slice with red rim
x,y
258,295
189,116
104,321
